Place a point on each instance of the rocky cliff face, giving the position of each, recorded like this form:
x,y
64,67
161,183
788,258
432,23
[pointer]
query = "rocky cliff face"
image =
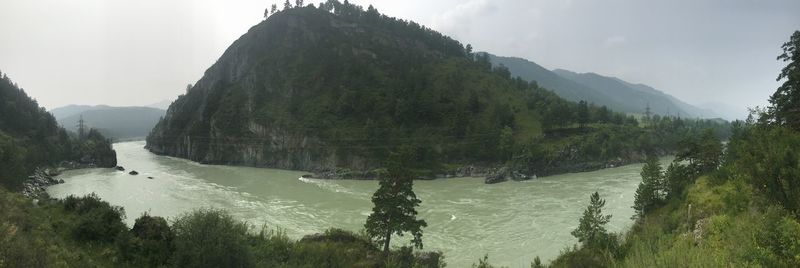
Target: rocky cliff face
x,y
335,92
263,147
244,109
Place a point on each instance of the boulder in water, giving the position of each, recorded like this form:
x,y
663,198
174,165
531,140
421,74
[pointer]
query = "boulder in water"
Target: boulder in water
x,y
499,176
120,168
133,172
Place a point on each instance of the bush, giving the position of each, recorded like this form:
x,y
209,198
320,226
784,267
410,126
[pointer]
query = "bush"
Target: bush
x,y
272,248
211,238
96,219
149,243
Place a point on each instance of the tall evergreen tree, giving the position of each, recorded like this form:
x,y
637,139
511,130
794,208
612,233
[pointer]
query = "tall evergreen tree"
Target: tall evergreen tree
x,y
649,194
287,5
395,203
591,230
785,102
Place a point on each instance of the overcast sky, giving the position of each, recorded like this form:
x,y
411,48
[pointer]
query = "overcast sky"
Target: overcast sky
x,y
137,52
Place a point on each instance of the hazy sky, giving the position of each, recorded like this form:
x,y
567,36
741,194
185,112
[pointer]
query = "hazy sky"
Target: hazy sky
x,y
136,52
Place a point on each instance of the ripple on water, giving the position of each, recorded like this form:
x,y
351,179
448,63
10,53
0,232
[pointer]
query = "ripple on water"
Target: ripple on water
x,y
512,221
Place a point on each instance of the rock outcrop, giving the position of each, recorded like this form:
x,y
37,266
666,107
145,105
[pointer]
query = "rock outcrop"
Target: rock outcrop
x,y
34,186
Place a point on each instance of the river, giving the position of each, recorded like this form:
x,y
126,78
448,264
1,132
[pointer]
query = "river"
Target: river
x,y
512,222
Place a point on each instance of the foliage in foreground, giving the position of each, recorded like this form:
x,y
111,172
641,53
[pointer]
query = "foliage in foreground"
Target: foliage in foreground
x,y
88,232
720,208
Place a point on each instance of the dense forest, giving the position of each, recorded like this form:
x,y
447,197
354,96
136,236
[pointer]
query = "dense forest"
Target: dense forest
x,y
338,87
31,138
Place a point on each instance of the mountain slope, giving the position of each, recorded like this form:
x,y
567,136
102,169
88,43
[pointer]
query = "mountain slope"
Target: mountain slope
x,y
311,89
73,109
564,87
613,92
119,123
30,138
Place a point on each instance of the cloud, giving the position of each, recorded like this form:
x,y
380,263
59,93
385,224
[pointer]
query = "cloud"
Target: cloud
x,y
458,20
615,41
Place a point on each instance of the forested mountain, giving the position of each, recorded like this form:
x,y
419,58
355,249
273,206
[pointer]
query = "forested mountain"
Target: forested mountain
x,y
564,87
340,87
31,138
601,90
636,96
118,123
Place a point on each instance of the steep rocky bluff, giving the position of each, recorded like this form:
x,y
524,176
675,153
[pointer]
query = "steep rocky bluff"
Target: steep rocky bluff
x,y
315,89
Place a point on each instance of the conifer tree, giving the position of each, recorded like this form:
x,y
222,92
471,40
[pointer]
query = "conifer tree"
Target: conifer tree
x,y
395,204
649,194
591,230
785,102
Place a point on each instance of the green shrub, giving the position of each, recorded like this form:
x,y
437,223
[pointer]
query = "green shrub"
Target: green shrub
x,y
211,238
149,243
271,248
96,219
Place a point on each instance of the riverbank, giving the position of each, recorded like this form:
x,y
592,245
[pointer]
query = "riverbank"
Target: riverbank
x,y
35,185
491,173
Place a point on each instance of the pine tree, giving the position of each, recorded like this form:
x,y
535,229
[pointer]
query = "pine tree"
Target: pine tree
x,y
591,230
273,9
785,102
649,194
395,204
287,5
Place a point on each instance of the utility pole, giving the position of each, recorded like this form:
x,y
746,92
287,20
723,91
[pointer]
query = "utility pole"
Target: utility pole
x,y
81,129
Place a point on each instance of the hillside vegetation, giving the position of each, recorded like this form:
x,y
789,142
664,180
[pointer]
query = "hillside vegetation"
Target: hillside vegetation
x,y
601,90
338,86
713,207
31,138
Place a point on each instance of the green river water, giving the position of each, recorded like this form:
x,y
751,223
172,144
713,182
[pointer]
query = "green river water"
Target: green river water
x,y
512,222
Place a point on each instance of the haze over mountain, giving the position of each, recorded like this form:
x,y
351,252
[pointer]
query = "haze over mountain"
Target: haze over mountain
x,y
118,123
727,111
613,92
163,105
637,95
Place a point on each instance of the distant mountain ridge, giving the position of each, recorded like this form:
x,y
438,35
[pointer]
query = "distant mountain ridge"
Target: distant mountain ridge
x,y
72,109
118,123
613,92
30,138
